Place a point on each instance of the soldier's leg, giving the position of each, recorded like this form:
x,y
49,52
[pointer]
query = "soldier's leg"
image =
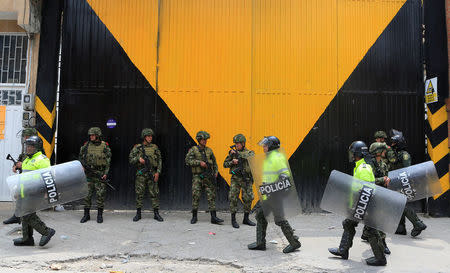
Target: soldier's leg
x,y
346,239
418,225
288,232
365,234
247,198
233,195
27,233
154,196
196,193
46,232
100,188
210,188
377,246
383,239
261,227
87,201
401,229
140,192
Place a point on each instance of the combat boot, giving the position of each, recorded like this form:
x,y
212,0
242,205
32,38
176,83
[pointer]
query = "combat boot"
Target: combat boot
x,y
377,246
418,227
386,249
343,253
233,220
344,246
46,238
86,216
157,217
215,219
23,242
247,221
288,232
137,217
194,216
13,220
257,246
100,215
376,262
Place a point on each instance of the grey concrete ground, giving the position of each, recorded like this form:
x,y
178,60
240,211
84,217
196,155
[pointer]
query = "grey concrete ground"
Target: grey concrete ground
x,y
177,246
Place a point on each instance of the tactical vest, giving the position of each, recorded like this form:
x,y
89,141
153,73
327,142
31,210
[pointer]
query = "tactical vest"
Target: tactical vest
x,y
95,155
198,156
150,151
246,171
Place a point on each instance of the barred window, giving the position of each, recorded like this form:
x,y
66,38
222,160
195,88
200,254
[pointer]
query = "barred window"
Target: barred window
x,y
11,97
13,58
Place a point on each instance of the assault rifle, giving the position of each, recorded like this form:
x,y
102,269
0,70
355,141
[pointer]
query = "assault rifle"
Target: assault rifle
x,y
94,172
9,157
209,172
148,167
240,166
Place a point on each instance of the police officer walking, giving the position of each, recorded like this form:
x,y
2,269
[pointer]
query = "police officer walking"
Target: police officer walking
x,y
146,157
26,133
275,168
35,160
363,171
95,156
402,159
241,178
204,168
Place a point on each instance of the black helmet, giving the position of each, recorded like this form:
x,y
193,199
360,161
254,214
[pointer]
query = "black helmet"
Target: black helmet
x,y
33,141
398,142
272,142
357,149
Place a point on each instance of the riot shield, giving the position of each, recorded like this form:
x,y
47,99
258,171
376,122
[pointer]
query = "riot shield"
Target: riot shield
x,y
276,188
44,188
363,201
416,182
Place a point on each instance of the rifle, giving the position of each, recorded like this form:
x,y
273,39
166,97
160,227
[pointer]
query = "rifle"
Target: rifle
x,y
9,157
209,173
92,171
240,166
148,167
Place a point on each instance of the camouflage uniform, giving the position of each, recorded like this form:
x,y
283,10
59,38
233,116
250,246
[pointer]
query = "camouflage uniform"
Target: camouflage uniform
x,y
389,153
203,177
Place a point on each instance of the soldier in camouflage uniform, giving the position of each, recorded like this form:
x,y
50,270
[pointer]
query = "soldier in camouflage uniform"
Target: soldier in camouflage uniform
x,y
26,133
380,136
204,174
380,171
95,155
146,157
241,178
402,159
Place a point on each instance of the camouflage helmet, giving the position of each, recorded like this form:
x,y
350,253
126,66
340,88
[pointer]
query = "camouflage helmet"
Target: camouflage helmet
x,y
380,134
27,132
94,131
202,135
146,132
239,138
377,147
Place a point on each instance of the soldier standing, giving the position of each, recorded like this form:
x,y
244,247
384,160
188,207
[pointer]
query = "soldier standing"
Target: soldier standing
x,y
95,155
241,178
204,174
26,133
380,136
363,171
35,160
146,157
402,159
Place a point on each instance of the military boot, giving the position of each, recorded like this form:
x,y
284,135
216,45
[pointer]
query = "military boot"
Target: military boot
x,y
99,215
344,246
247,221
377,246
418,227
13,220
137,217
386,249
157,217
86,216
215,219
233,220
288,232
24,242
194,216
46,238
401,229
260,243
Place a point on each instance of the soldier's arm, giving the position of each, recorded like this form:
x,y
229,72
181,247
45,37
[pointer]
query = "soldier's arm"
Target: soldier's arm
x,y
108,155
82,153
227,162
379,181
134,155
215,167
159,160
190,158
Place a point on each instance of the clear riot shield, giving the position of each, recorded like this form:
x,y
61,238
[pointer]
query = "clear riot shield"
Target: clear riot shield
x,y
45,188
276,188
363,201
416,182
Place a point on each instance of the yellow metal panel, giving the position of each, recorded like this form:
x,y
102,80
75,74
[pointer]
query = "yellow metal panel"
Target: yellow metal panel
x,y
134,24
436,119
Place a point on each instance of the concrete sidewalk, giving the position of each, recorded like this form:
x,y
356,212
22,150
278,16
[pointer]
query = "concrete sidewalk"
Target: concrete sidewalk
x,y
175,245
